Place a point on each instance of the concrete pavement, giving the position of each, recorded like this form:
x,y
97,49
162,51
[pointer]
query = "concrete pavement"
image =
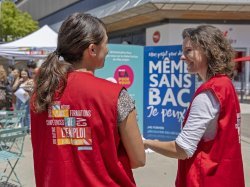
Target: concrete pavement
x,y
245,119
159,171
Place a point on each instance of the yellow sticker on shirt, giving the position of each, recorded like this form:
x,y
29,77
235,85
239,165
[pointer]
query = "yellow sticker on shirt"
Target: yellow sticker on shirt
x,y
60,113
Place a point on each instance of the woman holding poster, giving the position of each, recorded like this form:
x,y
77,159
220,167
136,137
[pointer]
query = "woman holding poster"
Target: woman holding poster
x,y
208,147
84,128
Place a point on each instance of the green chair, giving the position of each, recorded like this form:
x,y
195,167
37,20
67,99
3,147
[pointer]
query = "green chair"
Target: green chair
x,y
11,150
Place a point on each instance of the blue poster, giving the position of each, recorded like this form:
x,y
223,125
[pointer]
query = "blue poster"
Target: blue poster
x,y
124,65
168,89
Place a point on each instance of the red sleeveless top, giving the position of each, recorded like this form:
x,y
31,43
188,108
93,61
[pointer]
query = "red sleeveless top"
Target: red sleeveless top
x,y
217,162
76,142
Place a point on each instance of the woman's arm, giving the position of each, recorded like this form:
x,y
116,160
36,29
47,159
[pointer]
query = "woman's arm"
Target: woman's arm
x,y
132,141
16,84
29,85
169,149
201,123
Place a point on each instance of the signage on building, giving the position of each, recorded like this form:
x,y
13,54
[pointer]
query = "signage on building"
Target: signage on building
x,y
156,36
157,80
124,66
168,89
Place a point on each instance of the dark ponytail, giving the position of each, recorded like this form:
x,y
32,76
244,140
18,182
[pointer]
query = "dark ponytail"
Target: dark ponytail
x,y
52,77
76,33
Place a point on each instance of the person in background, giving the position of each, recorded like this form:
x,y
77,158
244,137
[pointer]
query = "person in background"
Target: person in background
x,y
84,130
10,77
26,83
16,76
208,147
31,67
14,85
3,89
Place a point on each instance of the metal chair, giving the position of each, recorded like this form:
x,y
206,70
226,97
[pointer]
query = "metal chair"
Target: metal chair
x,y
12,118
11,150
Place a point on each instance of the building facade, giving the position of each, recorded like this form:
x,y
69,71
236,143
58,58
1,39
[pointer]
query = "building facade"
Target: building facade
x,y
140,22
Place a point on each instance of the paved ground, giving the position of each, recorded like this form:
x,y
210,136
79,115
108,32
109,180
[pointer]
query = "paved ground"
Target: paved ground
x,y
159,171
245,119
245,130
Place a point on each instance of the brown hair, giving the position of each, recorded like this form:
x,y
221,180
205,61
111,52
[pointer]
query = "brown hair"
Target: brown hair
x,y
76,33
3,74
216,47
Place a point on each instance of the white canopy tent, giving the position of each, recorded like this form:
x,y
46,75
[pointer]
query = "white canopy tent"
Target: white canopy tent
x,y
35,45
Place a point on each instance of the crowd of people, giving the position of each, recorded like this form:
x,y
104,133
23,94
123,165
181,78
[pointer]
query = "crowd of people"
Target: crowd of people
x,y
13,82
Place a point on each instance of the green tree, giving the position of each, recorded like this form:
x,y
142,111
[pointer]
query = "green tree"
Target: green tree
x,y
14,24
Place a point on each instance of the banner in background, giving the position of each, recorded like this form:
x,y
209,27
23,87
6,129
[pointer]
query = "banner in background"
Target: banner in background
x,y
124,65
168,89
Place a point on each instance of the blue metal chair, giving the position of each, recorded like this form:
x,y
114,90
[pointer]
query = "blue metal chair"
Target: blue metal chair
x,y
12,118
11,150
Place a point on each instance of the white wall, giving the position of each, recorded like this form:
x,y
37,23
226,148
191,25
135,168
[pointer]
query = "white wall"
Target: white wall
x,y
170,34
